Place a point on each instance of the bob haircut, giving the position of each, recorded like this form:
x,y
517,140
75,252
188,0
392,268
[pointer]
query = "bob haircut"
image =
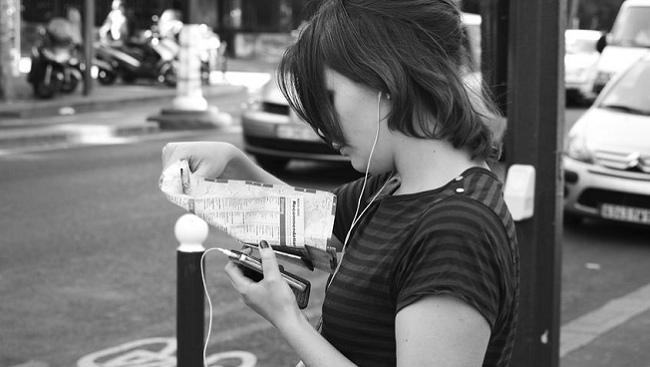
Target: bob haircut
x,y
412,50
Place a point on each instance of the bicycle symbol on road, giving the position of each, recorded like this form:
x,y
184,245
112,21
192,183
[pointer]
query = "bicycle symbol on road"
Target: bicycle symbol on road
x,y
159,352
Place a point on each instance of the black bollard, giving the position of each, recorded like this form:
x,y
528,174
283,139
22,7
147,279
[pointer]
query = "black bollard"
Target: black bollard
x,y
191,231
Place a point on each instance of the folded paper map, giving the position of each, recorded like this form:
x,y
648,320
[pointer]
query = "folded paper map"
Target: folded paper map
x,y
298,220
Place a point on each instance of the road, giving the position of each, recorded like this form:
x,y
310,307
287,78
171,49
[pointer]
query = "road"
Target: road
x,y
88,264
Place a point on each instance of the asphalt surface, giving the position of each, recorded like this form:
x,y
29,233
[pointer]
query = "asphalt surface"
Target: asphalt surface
x,y
615,334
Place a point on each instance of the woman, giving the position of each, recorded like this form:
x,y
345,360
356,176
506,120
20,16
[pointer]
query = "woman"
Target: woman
x,y
429,271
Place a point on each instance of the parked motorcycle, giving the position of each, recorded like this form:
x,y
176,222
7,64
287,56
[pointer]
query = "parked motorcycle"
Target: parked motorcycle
x,y
146,57
107,70
168,27
55,65
153,54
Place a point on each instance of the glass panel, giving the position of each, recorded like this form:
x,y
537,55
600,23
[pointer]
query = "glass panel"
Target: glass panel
x,y
631,93
633,28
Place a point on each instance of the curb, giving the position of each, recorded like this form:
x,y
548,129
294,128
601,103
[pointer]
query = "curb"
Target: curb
x,y
18,134
73,134
131,95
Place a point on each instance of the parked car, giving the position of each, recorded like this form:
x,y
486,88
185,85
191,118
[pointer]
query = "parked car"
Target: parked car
x,y
628,40
274,134
607,155
580,61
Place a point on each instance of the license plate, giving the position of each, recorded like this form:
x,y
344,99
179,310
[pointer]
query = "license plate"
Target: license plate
x,y
296,132
625,213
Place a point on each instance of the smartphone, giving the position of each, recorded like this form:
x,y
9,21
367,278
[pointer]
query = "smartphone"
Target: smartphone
x,y
252,268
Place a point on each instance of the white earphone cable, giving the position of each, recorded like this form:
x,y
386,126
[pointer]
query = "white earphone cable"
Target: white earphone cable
x,y
356,218
357,215
207,296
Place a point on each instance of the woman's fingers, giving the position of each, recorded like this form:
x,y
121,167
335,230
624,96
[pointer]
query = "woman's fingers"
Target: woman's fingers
x,y
175,151
168,154
269,262
237,278
192,152
235,273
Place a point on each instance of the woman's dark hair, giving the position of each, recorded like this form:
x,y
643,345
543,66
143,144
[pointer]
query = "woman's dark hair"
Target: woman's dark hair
x,y
413,50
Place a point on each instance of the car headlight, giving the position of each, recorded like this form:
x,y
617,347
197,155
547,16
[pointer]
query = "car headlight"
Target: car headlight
x,y
576,147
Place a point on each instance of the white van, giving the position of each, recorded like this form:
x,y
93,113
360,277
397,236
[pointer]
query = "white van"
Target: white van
x,y
627,42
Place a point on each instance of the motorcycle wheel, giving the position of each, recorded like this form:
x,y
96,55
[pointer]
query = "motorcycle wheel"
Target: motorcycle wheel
x,y
169,77
106,77
70,86
205,73
46,91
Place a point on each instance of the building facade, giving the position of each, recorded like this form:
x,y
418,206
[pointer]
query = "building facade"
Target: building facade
x,y
248,26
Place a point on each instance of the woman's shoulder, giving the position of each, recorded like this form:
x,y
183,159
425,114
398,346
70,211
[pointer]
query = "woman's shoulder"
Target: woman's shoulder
x,y
471,202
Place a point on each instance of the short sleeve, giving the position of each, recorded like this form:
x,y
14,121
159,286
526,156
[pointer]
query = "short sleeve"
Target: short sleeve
x,y
453,252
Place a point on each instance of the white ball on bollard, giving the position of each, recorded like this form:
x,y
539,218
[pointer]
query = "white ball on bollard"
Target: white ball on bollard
x,y
191,231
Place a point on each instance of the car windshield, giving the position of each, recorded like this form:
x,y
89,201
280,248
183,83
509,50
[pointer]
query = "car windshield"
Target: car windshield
x,y
630,93
632,28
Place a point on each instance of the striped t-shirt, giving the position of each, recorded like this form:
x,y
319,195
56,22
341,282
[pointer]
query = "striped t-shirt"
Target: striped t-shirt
x,y
457,240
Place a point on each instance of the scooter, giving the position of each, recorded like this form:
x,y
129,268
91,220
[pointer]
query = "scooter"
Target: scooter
x,y
143,58
167,28
107,69
55,66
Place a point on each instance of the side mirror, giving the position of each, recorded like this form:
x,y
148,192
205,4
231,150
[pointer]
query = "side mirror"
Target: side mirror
x,y
601,43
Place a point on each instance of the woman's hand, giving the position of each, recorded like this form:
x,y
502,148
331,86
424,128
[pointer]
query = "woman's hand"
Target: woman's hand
x,y
213,159
271,297
206,159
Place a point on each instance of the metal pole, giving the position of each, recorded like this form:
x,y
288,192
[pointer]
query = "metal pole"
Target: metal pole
x,y
573,21
494,45
89,38
191,231
535,137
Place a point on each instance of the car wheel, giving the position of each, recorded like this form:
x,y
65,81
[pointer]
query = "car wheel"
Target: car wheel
x,y
272,164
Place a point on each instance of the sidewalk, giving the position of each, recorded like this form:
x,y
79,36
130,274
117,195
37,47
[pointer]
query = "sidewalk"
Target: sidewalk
x,y
614,335
25,121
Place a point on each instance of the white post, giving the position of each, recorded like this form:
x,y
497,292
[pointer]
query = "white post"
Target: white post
x,y
191,231
189,108
189,95
17,32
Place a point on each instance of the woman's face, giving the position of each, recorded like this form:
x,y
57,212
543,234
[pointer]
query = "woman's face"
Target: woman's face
x,y
357,110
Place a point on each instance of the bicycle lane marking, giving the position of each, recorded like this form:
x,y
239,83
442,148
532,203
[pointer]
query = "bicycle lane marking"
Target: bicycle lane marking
x,y
161,352
156,352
